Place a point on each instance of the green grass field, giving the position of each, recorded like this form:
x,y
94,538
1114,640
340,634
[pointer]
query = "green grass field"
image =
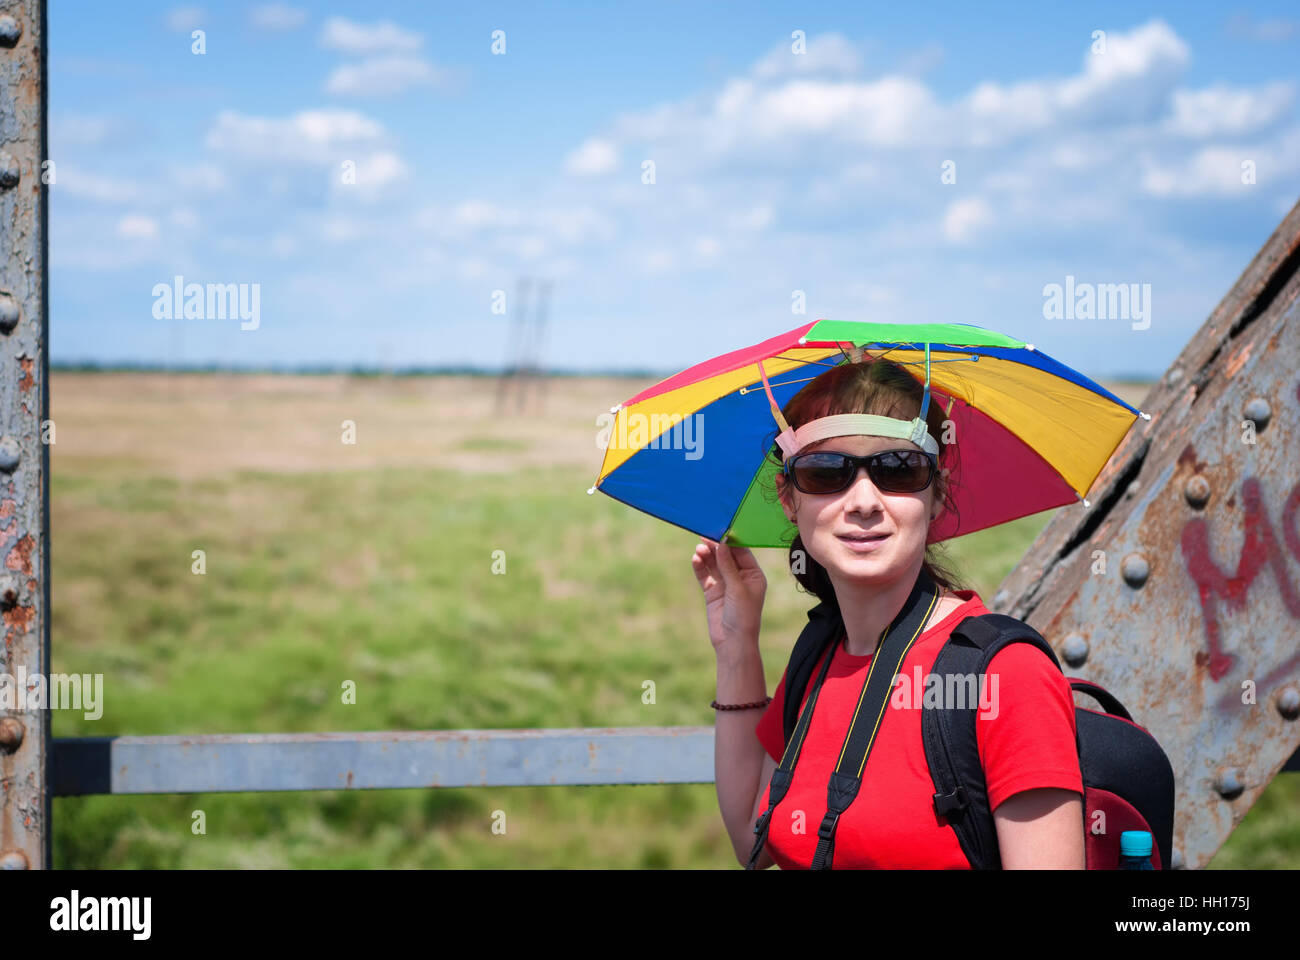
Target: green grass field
x,y
383,576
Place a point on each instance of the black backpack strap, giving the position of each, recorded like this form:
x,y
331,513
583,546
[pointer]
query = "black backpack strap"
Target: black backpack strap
x,y
784,773
869,714
951,746
823,628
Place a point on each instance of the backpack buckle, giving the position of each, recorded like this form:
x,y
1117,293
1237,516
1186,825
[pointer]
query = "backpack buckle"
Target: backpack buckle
x,y
948,803
827,829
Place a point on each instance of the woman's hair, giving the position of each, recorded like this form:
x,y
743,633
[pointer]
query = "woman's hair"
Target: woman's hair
x,y
886,389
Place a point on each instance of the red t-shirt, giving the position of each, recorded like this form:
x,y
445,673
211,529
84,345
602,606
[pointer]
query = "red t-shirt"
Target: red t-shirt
x,y
1024,727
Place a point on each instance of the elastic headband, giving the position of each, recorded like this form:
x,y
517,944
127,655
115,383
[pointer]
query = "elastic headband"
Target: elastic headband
x,y
856,424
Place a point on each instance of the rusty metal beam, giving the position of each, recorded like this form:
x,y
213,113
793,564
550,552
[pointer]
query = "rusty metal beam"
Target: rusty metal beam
x,y
24,455
1178,588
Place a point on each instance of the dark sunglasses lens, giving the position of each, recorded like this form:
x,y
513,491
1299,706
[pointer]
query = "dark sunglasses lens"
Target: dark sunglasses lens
x,y
822,472
900,471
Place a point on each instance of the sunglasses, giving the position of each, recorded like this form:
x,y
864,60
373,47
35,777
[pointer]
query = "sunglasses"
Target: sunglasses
x,y
893,471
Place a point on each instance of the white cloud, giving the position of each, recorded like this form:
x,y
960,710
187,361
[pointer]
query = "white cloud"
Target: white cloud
x,y
70,130
754,219
575,225
826,53
1131,80
891,111
473,268
1144,59
381,169
91,186
572,225
707,247
186,18
375,173
309,137
474,214
348,36
202,177
136,227
594,158
1227,111
964,219
1211,171
339,229
385,76
658,261
526,247
773,116
277,16
184,217
1076,155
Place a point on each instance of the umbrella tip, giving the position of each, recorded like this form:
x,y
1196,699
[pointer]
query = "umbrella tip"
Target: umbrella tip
x,y
1145,416
616,408
591,490
1029,346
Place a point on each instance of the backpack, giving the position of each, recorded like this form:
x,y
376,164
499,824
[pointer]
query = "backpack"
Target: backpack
x,y
1126,775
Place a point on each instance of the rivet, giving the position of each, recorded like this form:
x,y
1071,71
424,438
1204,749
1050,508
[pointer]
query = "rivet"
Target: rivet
x,y
9,170
9,587
13,860
1135,570
1176,859
11,734
1197,491
1229,783
1000,599
1258,410
1174,376
1288,702
10,31
1075,649
8,312
10,454
1132,488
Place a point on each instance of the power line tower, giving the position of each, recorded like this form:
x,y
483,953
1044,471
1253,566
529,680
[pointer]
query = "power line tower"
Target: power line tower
x,y
525,341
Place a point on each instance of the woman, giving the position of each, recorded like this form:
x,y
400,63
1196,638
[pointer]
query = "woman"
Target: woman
x,y
863,548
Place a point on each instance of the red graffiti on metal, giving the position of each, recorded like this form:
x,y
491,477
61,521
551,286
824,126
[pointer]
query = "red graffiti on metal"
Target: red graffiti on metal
x,y
1260,546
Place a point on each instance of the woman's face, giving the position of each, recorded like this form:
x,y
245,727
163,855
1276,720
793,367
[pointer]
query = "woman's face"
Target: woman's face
x,y
900,520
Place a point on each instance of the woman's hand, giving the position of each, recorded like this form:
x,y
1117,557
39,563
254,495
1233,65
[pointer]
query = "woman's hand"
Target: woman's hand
x,y
734,587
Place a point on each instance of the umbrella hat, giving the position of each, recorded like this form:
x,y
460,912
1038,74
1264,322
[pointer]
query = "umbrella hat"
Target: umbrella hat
x,y
697,448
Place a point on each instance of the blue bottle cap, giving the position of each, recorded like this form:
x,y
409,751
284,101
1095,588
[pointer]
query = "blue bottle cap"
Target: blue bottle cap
x,y
1135,843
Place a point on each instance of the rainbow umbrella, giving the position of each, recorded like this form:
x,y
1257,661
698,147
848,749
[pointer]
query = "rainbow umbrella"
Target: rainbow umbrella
x,y
1031,433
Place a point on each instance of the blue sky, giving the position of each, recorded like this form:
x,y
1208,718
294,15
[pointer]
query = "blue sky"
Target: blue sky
x,y
1112,159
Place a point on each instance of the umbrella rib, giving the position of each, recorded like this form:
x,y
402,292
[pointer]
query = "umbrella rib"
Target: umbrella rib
x,y
819,363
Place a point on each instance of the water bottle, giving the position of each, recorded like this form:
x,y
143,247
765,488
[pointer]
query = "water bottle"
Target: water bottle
x,y
1135,850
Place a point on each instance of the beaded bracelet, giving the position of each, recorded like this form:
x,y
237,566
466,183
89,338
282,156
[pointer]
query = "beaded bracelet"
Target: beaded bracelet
x,y
740,706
